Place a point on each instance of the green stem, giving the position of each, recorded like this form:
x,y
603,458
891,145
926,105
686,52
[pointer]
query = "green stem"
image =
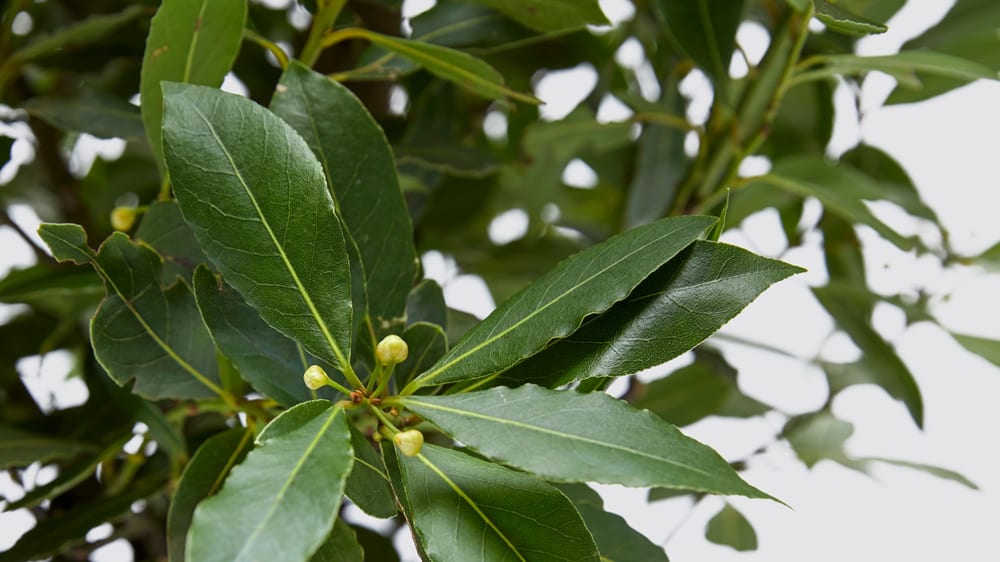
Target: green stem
x,y
325,17
383,418
383,382
254,37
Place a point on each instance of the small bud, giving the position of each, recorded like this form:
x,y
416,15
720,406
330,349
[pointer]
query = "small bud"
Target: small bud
x,y
391,350
123,218
315,377
409,442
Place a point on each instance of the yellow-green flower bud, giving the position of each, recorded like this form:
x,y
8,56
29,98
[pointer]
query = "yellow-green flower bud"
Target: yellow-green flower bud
x,y
409,442
123,218
391,350
315,377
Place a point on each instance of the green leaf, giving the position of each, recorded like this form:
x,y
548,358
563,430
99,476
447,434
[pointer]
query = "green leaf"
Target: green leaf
x,y
464,508
989,259
660,166
378,548
341,546
706,30
269,361
190,41
550,15
426,304
78,34
566,436
164,229
909,68
841,189
894,182
141,331
704,388
804,123
942,473
730,528
271,230
819,436
201,479
6,148
427,343
616,541
360,171
448,64
368,484
988,349
672,311
53,289
290,485
21,448
555,304
843,20
92,112
880,364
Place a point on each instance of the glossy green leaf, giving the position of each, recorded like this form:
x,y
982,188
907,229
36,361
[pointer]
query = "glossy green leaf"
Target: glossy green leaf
x,y
190,41
704,388
730,528
550,15
361,173
672,311
566,436
92,112
271,230
21,448
201,479
290,485
427,343
140,331
616,541
841,189
843,20
464,508
426,304
368,484
163,227
880,363
341,546
555,304
448,64
988,349
706,30
270,362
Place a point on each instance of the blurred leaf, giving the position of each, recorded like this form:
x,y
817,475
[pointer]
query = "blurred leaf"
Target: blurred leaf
x,y
270,362
550,15
272,231
201,479
894,182
942,473
673,310
56,289
426,304
819,436
76,35
368,484
555,304
459,324
554,435
804,122
295,480
163,227
988,349
660,166
341,546
140,331
6,146
730,528
20,448
706,30
190,41
496,507
616,540
91,112
909,68
377,548
842,20
454,160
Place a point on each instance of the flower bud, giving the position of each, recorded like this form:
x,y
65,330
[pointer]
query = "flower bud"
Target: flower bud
x,y
409,442
123,218
315,377
391,350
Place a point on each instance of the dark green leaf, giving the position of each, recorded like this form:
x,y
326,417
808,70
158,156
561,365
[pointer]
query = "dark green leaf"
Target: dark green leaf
x,y
368,484
21,448
271,230
78,34
464,508
844,20
290,485
427,343
164,229
616,541
202,478
53,289
660,166
92,112
426,304
704,388
341,546
190,41
6,146
706,30
140,331
566,436
361,173
270,362
550,15
804,122
555,304
988,349
672,311
377,548
730,528
895,183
